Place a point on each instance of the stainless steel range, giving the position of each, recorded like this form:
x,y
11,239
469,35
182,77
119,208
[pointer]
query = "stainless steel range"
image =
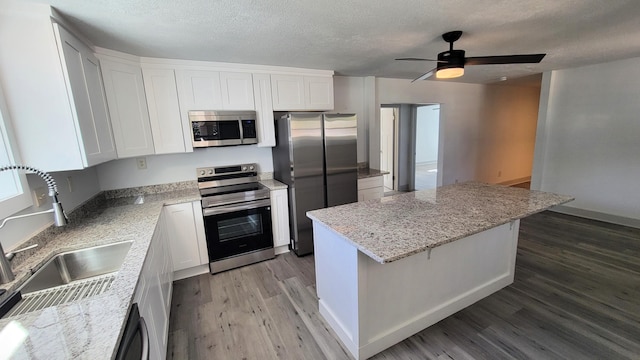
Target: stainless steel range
x,y
237,216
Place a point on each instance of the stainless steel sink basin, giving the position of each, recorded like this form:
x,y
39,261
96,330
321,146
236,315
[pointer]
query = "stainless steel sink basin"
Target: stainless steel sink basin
x,y
77,265
71,276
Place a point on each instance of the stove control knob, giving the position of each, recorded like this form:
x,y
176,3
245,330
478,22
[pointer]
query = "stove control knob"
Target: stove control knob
x,y
251,167
210,171
244,168
202,172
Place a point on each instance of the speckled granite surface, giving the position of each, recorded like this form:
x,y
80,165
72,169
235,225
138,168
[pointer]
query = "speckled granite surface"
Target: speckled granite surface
x,y
398,226
91,328
273,184
367,172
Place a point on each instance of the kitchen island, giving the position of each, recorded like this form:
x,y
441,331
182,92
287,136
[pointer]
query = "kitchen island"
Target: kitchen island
x,y
388,268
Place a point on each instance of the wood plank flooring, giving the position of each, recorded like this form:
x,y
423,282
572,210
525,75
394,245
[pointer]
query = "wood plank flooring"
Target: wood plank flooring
x,y
576,296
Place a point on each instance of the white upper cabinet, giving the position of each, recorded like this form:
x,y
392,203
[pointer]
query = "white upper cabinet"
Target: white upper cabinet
x,y
54,93
318,92
298,92
214,90
82,75
264,110
287,92
127,106
167,126
237,91
199,90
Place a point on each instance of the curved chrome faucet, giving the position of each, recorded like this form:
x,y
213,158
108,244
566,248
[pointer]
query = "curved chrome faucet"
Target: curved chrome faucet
x,y
59,217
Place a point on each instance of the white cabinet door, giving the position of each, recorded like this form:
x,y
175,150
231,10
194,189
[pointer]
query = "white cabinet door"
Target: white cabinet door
x,y
264,110
370,188
200,234
237,91
153,292
287,92
164,111
82,75
128,108
199,90
280,217
318,92
97,99
183,239
298,92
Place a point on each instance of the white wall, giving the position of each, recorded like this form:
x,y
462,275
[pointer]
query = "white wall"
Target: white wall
x,y
427,130
349,97
84,185
589,138
162,169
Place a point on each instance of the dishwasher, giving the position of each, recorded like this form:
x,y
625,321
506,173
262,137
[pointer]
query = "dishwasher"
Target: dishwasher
x,y
134,343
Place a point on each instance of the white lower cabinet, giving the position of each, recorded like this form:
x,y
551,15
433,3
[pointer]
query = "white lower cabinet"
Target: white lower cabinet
x,y
153,293
280,219
370,188
187,241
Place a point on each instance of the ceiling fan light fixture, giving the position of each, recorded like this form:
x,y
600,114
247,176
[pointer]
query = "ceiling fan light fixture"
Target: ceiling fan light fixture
x,y
450,73
450,64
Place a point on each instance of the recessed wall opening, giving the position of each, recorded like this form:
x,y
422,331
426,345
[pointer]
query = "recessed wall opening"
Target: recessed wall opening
x,y
409,145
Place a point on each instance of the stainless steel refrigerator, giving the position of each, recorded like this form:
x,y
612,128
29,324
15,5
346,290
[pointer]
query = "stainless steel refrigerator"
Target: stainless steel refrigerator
x,y
315,155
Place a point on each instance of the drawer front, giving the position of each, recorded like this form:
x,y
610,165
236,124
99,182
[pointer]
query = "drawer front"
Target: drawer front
x,y
371,182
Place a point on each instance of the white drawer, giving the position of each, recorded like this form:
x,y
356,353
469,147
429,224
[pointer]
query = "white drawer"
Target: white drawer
x,y
370,182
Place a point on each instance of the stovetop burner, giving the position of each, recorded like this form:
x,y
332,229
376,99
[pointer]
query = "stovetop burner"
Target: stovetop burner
x,y
230,184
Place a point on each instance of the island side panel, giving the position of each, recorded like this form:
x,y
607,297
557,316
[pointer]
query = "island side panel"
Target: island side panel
x,y
336,263
401,298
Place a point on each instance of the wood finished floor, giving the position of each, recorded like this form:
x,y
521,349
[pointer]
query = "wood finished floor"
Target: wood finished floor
x,y
576,296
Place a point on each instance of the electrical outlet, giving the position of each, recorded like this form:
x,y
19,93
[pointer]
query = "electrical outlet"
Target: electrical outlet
x,y
142,163
40,196
70,183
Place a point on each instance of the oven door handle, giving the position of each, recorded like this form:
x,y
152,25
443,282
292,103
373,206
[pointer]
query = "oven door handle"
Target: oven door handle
x,y
235,207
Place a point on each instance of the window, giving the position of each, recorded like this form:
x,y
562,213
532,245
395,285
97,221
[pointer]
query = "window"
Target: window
x,y
14,190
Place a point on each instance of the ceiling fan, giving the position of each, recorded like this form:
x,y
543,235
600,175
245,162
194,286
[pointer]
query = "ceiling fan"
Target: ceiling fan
x,y
451,63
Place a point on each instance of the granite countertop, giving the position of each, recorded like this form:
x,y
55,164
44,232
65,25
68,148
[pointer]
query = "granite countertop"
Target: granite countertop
x,y
398,226
91,328
273,184
368,172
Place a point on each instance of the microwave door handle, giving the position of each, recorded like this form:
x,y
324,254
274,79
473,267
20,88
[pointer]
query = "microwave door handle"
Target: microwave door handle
x,y
233,208
241,130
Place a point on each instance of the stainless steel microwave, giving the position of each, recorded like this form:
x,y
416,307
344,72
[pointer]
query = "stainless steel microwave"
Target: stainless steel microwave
x,y
222,128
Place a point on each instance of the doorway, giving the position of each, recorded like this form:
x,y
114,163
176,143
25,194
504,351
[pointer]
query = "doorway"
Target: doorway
x,y
426,146
409,146
388,122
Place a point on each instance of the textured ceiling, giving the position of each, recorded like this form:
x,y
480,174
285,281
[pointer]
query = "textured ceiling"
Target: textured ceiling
x,y
362,37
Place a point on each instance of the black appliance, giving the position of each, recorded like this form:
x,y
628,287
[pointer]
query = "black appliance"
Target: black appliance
x,y
134,343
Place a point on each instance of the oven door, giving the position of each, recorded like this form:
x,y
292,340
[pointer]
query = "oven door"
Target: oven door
x,y
237,229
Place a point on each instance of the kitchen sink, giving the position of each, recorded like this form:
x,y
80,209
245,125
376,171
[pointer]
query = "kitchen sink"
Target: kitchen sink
x,y
71,276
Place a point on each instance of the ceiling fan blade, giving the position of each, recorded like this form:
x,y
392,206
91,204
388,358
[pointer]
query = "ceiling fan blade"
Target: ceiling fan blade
x,y
504,59
416,59
425,76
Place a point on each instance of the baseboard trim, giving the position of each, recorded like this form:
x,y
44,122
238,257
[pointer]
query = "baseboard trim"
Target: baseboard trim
x,y
595,215
190,272
516,181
